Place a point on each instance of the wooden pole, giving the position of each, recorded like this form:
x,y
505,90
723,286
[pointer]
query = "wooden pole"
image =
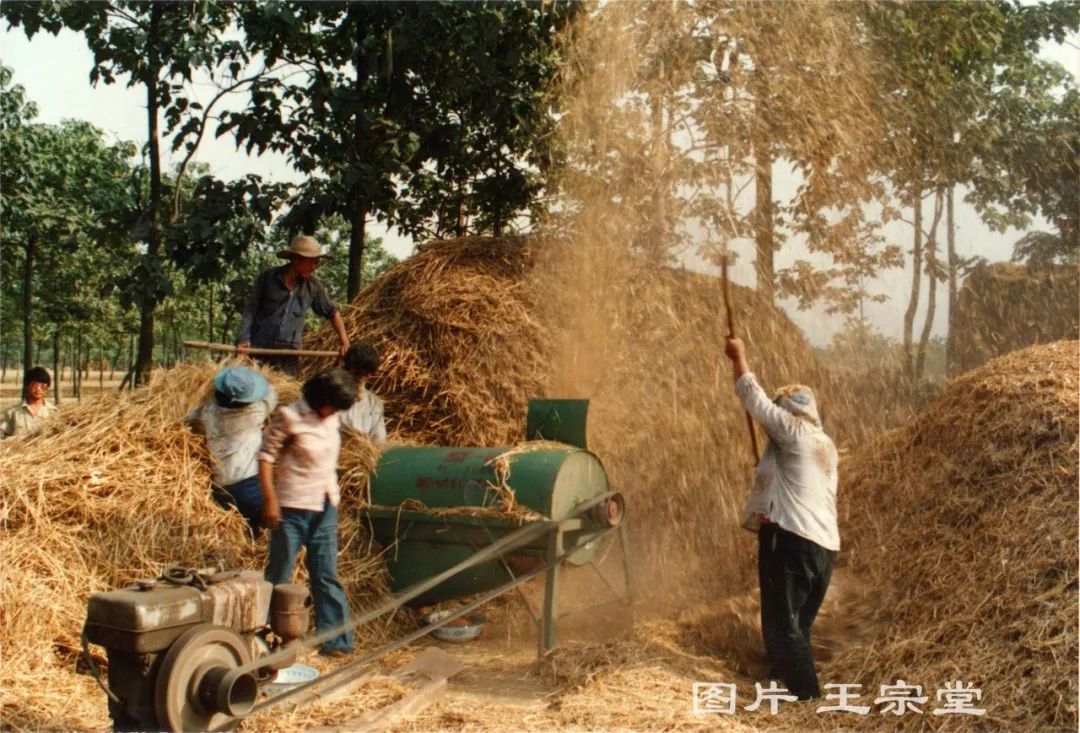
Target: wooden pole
x,y
731,334
258,352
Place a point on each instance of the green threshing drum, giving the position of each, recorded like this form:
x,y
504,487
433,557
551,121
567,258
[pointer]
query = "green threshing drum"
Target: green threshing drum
x,y
549,479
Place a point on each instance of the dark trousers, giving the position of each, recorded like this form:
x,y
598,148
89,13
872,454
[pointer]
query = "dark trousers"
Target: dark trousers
x,y
246,496
288,364
794,574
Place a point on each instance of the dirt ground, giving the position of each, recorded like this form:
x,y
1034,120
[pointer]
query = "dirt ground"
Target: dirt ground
x,y
656,653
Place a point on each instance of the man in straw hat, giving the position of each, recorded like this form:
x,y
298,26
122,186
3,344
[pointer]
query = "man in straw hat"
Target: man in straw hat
x,y
792,507
275,314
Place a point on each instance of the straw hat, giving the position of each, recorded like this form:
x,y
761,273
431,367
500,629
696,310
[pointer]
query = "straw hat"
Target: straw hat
x,y
304,246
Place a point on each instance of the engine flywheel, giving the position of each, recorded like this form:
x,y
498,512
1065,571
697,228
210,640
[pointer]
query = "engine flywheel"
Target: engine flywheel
x,y
195,690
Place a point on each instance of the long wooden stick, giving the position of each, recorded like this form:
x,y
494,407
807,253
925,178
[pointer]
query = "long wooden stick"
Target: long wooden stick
x,y
731,334
257,352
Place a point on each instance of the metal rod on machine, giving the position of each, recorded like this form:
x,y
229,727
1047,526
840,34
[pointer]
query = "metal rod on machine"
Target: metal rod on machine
x,y
413,636
512,541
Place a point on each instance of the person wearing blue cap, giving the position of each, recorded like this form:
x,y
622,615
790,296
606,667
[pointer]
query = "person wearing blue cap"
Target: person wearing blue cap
x,y
792,508
232,422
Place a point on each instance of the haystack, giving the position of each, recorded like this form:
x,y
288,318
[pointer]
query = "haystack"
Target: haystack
x,y
115,491
965,521
462,347
959,565
1004,306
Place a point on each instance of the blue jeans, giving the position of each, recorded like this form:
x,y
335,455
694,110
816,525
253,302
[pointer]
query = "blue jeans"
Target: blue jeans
x,y
318,532
246,496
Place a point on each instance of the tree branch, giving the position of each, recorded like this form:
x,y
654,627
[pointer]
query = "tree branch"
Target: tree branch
x,y
193,148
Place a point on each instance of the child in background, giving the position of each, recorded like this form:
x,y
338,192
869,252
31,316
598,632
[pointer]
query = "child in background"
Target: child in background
x,y
366,415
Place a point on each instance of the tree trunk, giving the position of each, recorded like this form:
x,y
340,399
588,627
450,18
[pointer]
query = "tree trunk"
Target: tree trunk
x,y
227,329
76,367
763,224
360,204
56,366
656,232
356,247
459,228
153,246
497,223
932,278
28,284
954,266
130,364
916,282
210,316
763,203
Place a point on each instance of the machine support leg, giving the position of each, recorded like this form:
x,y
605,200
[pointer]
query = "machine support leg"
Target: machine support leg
x,y
551,593
624,540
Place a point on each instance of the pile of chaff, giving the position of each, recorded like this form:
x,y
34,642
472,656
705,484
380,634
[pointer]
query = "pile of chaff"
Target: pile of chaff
x,y
965,520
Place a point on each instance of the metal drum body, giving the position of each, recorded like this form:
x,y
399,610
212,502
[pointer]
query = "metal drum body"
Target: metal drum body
x,y
549,480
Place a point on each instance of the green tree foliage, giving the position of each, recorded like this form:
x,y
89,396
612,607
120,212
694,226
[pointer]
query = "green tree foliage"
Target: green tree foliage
x,y
62,189
966,101
429,116
1041,250
154,45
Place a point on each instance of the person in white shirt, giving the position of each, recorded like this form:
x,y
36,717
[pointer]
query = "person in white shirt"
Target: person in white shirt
x,y
366,415
792,507
298,477
232,422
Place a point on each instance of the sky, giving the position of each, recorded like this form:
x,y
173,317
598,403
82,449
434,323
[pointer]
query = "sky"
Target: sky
x,y
54,70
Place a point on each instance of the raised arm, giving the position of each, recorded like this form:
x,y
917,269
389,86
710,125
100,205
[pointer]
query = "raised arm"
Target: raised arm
x,y
780,425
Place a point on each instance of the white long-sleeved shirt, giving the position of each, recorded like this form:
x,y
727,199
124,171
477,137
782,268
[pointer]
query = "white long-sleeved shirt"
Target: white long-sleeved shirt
x,y
366,417
305,448
233,435
796,480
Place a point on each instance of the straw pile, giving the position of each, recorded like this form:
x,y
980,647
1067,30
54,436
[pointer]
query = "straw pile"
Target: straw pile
x,y
1004,306
114,492
461,346
965,521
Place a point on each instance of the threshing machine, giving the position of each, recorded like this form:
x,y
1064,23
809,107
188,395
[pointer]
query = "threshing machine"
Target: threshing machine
x,y
194,650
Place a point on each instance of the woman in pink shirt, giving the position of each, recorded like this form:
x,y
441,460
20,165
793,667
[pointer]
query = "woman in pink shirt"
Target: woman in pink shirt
x,y
298,478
